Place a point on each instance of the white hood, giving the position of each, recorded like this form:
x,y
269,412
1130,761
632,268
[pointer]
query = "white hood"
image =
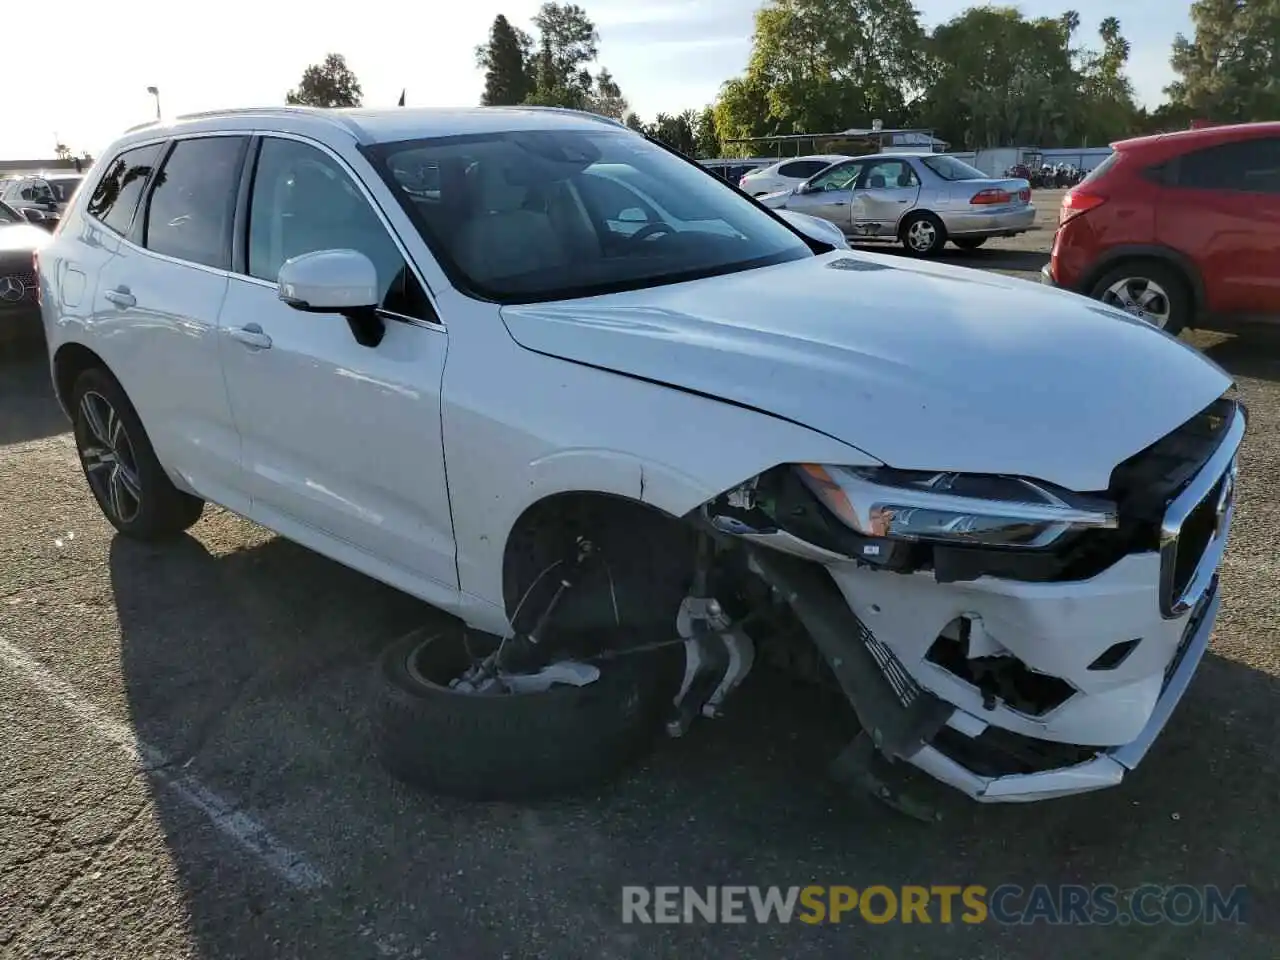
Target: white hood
x,y
922,366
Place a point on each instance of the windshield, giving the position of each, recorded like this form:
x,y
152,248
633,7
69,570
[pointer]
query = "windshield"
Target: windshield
x,y
519,217
64,187
949,168
9,215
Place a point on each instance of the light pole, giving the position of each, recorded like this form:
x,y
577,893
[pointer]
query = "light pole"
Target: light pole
x,y
155,92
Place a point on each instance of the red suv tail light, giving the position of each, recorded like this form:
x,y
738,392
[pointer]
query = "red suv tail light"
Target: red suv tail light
x,y
1077,202
990,196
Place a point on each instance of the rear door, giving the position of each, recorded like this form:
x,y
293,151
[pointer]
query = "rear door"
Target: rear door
x,y
830,195
1221,207
885,191
156,311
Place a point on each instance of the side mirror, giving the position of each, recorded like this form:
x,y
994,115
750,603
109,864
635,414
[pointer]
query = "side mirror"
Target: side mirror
x,y
329,281
335,281
32,215
804,188
632,215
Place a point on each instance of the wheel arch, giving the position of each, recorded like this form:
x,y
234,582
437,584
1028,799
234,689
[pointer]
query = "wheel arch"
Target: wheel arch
x,y
1162,254
564,510
69,361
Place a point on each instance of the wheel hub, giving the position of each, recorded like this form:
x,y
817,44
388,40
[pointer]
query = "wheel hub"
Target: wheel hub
x,y
108,457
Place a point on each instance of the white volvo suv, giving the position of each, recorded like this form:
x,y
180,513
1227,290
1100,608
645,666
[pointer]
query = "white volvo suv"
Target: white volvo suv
x,y
638,433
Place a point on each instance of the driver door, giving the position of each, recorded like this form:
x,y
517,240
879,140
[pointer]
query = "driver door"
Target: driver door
x,y
829,195
341,443
886,191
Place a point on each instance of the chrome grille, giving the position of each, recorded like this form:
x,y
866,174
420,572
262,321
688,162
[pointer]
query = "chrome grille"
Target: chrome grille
x,y
1194,530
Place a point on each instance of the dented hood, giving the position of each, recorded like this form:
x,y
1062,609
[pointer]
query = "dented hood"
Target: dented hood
x,y
922,366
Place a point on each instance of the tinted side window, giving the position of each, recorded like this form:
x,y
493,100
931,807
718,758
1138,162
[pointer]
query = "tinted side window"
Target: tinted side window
x,y
1251,166
890,175
838,178
304,201
193,200
116,196
802,168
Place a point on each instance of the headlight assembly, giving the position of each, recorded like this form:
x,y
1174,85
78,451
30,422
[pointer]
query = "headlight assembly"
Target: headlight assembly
x,y
955,508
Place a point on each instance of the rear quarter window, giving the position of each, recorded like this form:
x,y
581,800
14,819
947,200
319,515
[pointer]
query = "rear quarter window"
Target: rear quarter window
x,y
1100,171
116,195
1246,166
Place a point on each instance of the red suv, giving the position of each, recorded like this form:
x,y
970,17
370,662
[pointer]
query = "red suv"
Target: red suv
x,y
1182,229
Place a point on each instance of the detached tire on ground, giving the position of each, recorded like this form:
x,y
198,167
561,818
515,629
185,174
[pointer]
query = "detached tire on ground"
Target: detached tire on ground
x,y
507,746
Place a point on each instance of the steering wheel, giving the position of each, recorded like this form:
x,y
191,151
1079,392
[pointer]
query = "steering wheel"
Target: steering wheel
x,y
650,230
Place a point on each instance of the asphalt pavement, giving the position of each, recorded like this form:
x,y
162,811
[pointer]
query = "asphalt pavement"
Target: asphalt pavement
x,y
186,771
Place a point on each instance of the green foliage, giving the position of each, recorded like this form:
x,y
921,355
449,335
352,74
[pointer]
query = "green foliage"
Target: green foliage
x,y
505,60
327,84
1230,70
988,77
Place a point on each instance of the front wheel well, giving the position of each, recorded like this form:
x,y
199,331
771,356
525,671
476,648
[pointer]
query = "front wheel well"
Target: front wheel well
x,y
69,362
650,552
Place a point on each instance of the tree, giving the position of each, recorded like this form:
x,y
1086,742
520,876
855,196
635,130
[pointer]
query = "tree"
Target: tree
x,y
327,84
607,99
996,79
706,139
676,131
633,121
1109,110
567,43
828,64
505,60
1230,70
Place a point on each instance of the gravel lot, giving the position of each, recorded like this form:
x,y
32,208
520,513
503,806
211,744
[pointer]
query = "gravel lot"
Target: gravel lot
x,y
185,769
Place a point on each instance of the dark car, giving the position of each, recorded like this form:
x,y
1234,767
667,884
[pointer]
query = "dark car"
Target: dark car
x,y
19,307
1180,229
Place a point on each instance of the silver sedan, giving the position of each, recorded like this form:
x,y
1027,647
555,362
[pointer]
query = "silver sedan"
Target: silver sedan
x,y
919,199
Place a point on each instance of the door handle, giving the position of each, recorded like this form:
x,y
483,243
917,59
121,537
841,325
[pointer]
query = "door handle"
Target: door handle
x,y
121,297
251,336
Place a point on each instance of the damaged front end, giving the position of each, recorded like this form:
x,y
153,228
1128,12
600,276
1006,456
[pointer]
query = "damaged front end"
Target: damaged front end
x,y
1012,639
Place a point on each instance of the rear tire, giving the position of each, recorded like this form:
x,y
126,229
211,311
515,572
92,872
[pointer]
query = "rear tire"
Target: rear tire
x,y
969,243
1154,291
923,234
131,487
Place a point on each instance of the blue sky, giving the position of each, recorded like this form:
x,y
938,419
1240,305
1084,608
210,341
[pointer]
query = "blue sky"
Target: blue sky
x,y
666,55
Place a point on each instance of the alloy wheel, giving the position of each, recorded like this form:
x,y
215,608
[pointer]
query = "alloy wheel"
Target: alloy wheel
x,y
108,457
1141,298
922,235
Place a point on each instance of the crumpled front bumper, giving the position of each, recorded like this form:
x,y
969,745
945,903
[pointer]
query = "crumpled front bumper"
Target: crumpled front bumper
x,y
1109,766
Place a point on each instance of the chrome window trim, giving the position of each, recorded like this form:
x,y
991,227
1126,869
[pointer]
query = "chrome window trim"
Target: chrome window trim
x,y
385,314
1222,466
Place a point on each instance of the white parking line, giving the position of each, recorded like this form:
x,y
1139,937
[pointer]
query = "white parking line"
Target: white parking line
x,y
247,832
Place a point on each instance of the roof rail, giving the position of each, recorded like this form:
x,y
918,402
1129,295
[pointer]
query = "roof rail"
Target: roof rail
x,y
585,114
328,115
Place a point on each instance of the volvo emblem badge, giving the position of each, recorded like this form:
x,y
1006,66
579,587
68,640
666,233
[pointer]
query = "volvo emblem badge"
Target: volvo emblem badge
x,y
11,289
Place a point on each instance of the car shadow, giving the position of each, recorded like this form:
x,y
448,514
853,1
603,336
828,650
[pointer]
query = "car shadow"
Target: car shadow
x,y
984,258
248,671
28,408
1254,353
